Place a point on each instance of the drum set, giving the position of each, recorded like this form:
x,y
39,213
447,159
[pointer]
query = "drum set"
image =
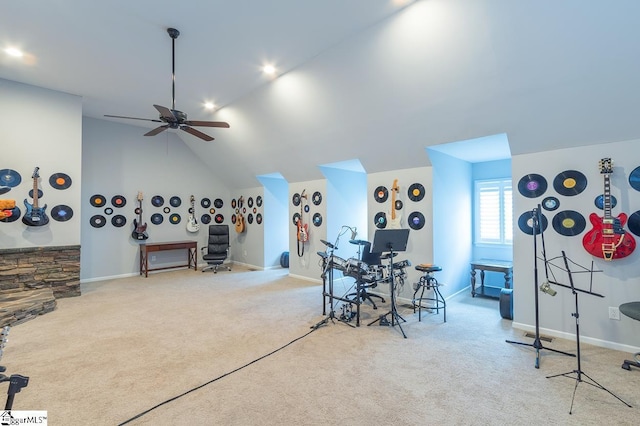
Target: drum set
x,y
366,275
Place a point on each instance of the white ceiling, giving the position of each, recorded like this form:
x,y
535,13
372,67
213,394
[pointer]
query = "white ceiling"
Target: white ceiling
x,y
372,80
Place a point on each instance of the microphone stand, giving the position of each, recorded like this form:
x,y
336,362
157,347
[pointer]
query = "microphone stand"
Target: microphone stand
x,y
537,343
579,373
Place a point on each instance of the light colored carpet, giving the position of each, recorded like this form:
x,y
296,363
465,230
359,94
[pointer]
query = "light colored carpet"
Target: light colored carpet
x,y
127,345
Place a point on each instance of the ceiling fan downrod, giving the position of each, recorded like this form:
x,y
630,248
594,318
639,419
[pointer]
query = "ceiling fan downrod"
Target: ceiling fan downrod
x,y
173,33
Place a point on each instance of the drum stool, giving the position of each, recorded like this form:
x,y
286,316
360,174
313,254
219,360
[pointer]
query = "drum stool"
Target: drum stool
x,y
632,310
428,282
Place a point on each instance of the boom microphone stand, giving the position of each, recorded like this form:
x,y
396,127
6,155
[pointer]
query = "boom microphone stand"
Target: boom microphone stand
x,y
537,343
579,373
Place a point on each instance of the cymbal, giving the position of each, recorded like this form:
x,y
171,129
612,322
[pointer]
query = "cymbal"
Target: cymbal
x,y
327,243
359,242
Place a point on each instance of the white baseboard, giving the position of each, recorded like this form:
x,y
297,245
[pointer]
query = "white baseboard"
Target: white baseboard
x,y
570,336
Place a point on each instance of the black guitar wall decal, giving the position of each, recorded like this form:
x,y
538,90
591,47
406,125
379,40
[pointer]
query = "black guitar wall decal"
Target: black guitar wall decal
x,y
139,230
35,215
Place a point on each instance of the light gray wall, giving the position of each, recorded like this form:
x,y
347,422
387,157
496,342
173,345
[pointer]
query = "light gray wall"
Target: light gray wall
x,y
248,247
42,128
118,160
276,219
620,280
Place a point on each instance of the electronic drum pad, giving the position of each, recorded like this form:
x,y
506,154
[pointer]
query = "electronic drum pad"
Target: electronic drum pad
x,y
525,223
570,182
532,185
569,223
61,213
60,181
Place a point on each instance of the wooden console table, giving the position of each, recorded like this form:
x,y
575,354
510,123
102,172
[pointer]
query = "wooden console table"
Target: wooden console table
x,y
493,266
145,249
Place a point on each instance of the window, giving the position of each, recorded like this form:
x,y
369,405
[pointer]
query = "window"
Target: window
x,y
493,212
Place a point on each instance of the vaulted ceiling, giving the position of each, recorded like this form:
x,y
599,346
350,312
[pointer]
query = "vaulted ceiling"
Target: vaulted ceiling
x,y
373,80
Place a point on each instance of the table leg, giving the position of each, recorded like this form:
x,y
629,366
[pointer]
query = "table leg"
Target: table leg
x,y
507,279
473,282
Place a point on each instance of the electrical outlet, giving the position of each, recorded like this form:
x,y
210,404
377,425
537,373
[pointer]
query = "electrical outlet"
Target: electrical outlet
x,y
614,313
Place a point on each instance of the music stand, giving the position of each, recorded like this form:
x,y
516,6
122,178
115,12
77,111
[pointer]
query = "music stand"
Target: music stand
x,y
391,241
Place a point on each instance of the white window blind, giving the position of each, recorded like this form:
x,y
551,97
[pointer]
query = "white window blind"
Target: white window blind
x,y
493,213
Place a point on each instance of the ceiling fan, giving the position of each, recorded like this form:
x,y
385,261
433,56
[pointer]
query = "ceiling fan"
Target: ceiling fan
x,y
173,118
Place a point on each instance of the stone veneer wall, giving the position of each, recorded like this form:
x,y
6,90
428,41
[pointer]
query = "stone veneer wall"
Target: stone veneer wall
x,y
29,268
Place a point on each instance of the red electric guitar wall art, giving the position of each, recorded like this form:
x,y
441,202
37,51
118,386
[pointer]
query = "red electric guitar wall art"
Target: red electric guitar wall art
x,y
608,240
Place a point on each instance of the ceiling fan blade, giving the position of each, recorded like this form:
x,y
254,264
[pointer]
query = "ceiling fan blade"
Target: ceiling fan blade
x,y
157,130
133,118
165,113
197,133
207,123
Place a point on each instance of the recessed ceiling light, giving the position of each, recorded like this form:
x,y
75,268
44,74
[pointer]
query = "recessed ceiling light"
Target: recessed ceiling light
x,y
12,51
209,105
269,69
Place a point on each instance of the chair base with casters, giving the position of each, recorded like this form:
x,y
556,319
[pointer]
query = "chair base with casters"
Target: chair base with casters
x,y
217,249
428,282
367,281
632,310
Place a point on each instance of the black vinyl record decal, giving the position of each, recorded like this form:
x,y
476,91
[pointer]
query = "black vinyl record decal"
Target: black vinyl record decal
x,y
233,203
570,182
259,201
157,218
634,178
415,192
205,218
249,202
532,185
295,199
380,194
166,209
316,199
233,218
599,201
157,200
97,221
317,219
550,203
40,193
118,201
219,218
175,201
526,222
118,221
108,211
380,220
259,218
416,220
569,223
60,181
296,218
634,223
97,200
15,215
250,218
205,203
10,178
218,203
175,218
61,213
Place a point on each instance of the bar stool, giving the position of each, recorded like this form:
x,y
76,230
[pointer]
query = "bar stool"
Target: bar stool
x,y
428,282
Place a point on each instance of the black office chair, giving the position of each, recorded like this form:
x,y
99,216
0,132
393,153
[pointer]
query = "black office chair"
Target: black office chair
x,y
217,249
369,279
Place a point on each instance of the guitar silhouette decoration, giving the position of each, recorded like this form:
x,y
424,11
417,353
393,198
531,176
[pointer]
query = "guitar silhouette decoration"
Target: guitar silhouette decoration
x,y
139,229
35,215
608,240
192,222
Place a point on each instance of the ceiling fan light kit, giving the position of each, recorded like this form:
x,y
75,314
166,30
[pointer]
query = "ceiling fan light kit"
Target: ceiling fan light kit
x,y
173,118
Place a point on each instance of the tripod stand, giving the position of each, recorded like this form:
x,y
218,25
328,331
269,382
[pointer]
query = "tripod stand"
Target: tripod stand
x,y
392,241
536,218
328,265
579,373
